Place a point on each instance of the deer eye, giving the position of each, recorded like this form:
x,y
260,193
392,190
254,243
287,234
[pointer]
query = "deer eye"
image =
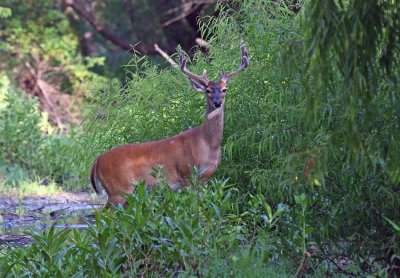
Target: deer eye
x,y
224,90
208,91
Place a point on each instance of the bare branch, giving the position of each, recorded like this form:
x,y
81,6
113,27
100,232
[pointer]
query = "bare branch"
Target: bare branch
x,y
165,55
88,16
202,43
185,10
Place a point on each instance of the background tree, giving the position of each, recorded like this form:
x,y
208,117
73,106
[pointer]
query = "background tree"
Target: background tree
x,y
40,52
52,49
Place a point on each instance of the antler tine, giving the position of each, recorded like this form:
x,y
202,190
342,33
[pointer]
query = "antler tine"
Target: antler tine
x,y
182,64
245,61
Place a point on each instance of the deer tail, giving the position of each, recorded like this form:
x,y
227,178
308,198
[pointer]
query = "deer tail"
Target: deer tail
x,y
94,178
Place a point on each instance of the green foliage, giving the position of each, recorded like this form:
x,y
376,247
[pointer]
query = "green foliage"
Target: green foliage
x,y
39,35
151,106
199,231
21,126
343,160
165,102
29,146
40,54
312,123
350,77
263,126
5,12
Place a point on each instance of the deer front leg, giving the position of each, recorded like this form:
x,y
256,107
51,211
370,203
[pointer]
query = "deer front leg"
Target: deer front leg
x,y
206,172
178,183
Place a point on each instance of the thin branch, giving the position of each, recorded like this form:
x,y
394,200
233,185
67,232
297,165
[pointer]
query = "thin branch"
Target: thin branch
x,y
199,2
202,43
88,16
165,55
183,7
183,15
186,9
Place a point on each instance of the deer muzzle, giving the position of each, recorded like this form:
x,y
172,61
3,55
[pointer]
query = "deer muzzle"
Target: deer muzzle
x,y
217,99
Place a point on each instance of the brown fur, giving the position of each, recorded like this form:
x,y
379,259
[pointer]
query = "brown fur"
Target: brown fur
x,y
120,167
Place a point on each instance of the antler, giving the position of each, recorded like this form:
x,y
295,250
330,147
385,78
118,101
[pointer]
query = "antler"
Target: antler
x,y
182,64
243,64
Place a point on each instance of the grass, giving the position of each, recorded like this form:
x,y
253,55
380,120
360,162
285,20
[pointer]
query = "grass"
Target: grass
x,y
16,181
31,189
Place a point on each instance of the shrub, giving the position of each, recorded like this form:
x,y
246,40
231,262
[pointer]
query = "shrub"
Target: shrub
x,y
27,140
20,126
199,231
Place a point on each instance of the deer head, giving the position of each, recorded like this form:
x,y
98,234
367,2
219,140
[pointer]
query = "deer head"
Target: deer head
x,y
215,91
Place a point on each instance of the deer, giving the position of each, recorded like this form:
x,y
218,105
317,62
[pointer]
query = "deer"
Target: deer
x,y
118,169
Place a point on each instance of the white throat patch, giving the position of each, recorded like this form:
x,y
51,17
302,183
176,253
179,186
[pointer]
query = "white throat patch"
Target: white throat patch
x,y
214,113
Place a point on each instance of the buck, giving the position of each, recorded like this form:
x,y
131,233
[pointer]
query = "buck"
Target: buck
x,y
118,169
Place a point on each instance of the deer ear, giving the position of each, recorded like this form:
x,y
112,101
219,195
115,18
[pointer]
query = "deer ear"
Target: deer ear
x,y
198,86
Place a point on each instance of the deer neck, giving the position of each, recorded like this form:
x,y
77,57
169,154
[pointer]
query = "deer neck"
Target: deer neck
x,y
213,125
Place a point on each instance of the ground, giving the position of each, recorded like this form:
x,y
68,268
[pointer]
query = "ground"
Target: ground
x,y
19,215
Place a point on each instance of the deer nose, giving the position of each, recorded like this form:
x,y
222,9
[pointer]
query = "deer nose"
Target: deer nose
x,y
218,104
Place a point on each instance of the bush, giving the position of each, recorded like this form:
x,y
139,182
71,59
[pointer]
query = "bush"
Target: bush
x,y
199,231
27,140
21,126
